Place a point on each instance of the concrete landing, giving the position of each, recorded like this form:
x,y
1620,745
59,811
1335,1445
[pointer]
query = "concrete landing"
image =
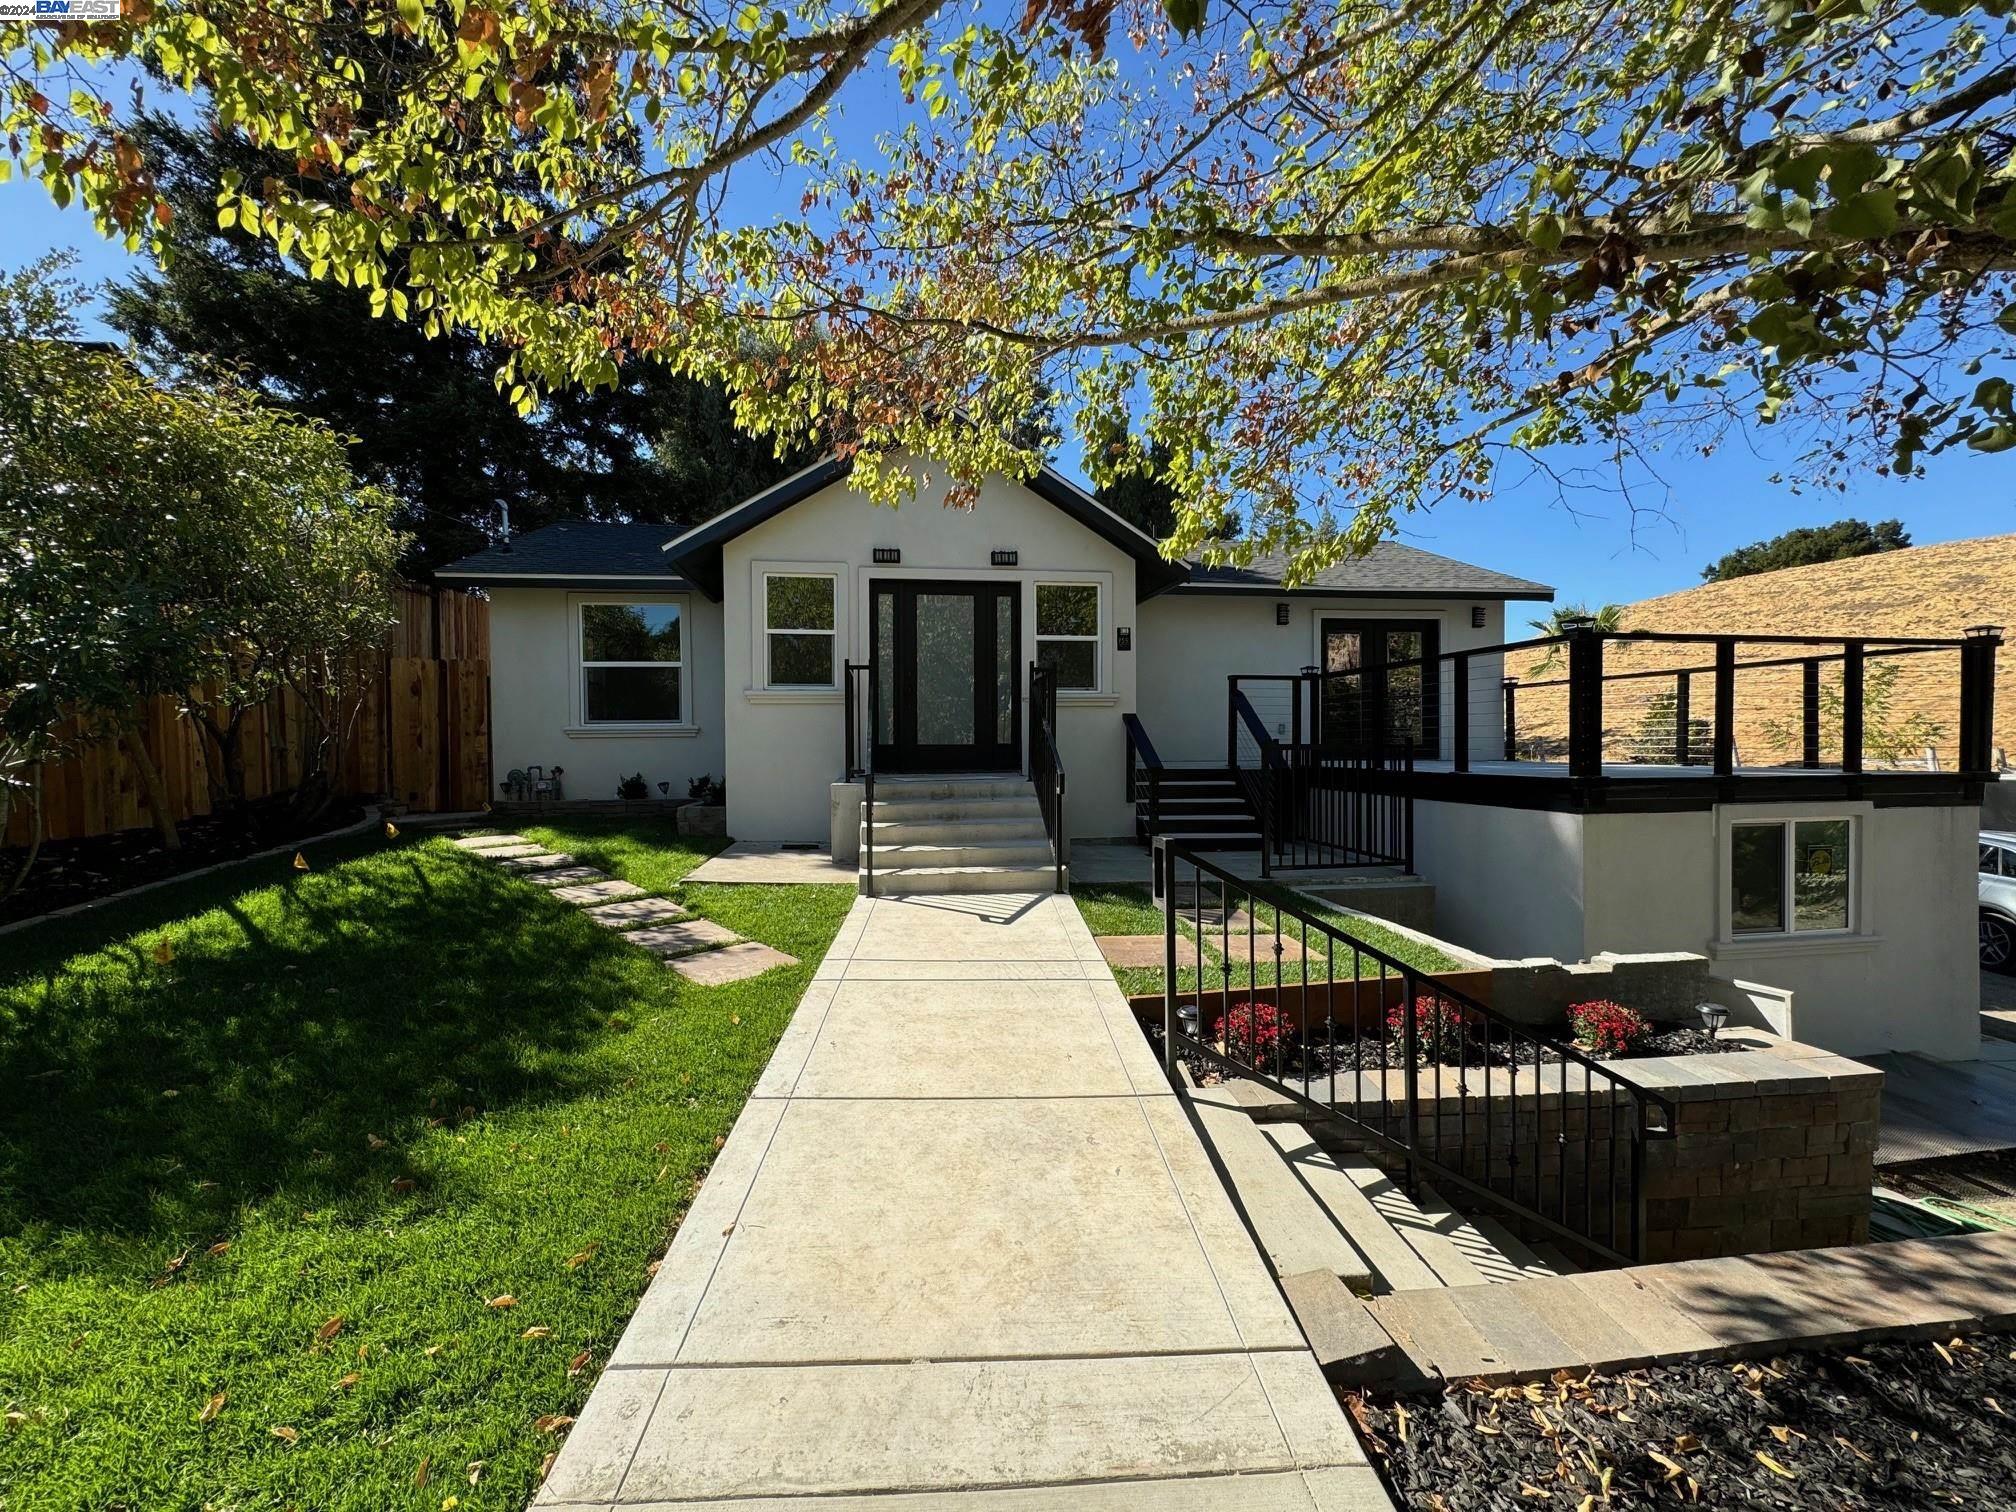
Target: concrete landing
x,y
963,1251
1933,1109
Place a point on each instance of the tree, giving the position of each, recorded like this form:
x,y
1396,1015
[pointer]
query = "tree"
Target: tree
x,y
1139,491
1608,618
424,417
1349,255
176,539
1808,544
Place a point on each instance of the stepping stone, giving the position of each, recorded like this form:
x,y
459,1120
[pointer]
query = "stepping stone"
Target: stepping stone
x,y
484,842
682,939
562,876
509,852
1131,950
599,892
730,964
540,862
628,915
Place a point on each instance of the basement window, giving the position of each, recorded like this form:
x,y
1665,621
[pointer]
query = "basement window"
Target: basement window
x,y
1790,877
631,664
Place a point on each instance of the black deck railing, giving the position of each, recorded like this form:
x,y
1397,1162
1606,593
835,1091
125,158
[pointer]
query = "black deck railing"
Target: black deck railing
x,y
1144,777
863,721
1527,1126
1319,807
1046,767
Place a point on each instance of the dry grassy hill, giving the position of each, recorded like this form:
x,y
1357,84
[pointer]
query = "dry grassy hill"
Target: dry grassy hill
x,y
1922,591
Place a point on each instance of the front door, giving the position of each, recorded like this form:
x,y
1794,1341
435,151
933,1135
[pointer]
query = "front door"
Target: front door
x,y
945,657
1383,708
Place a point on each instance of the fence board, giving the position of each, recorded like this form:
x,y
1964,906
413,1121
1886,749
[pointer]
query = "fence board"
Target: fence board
x,y
421,736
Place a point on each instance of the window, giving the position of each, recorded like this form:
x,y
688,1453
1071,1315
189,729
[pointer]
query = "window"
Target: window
x,y
630,664
1790,876
1067,634
798,630
1995,861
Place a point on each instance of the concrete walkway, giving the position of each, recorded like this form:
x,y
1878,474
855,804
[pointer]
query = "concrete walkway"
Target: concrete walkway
x,y
963,1251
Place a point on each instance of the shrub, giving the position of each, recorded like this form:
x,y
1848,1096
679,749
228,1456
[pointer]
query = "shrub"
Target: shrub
x,y
1254,1030
633,787
704,790
1438,1025
1606,1028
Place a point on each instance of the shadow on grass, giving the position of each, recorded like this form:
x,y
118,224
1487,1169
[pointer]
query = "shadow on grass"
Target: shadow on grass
x,y
295,1025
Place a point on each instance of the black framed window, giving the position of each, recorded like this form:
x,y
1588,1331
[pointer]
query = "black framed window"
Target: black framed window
x,y
1381,686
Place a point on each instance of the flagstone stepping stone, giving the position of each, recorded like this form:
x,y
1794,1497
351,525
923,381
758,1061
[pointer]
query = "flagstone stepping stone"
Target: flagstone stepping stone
x,y
682,939
540,862
508,852
730,964
1131,950
634,911
565,875
607,891
484,842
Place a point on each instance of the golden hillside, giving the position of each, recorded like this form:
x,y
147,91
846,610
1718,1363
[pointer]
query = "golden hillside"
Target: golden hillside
x,y
1921,591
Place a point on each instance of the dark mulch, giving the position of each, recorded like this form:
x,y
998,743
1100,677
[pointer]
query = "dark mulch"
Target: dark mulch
x,y
68,872
1905,1426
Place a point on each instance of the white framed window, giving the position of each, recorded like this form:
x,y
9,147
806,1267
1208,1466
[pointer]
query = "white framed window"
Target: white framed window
x,y
1791,877
800,646
632,663
1068,634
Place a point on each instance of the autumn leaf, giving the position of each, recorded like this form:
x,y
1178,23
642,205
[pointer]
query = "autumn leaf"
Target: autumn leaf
x,y
554,1422
1674,1470
506,1300
291,1435
300,862
1773,1466
546,1467
328,1331
580,1362
1400,1422
475,1471
536,1331
349,1380
1685,1442
211,1408
403,1184
420,1475
373,1142
581,1258
164,952
218,1248
391,830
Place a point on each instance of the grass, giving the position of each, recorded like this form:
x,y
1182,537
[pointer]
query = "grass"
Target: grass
x,y
291,1171
1130,909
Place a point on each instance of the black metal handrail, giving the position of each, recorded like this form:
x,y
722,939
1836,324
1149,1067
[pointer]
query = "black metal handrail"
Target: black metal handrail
x,y
1541,1147
1258,779
1319,808
1046,767
860,762
1144,775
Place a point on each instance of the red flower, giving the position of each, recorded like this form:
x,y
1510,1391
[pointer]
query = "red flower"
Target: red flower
x,y
1608,1028
1249,1029
1438,1024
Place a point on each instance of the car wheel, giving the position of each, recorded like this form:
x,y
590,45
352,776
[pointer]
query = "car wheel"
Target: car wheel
x,y
1998,943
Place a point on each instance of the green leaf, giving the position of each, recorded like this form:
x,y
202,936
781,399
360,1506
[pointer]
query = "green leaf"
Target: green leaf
x,y
1545,232
1866,216
1993,438
1187,16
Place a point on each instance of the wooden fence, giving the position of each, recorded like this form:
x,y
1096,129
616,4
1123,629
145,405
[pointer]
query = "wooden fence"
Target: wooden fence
x,y
422,737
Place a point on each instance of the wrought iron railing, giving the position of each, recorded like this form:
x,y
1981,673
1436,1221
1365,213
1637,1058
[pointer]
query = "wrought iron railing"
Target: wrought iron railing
x,y
864,720
1046,767
1318,807
1524,1125
1144,777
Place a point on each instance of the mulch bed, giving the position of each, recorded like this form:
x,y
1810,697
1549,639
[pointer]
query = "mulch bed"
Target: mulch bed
x,y
1907,1426
69,872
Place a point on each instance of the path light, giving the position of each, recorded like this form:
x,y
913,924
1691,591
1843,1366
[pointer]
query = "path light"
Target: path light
x,y
1186,1019
1714,1015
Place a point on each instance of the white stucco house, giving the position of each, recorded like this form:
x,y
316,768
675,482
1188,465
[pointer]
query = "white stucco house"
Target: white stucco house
x,y
807,645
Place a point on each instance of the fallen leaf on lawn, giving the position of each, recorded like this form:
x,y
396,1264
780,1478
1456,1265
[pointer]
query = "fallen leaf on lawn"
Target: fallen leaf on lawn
x,y
734,1018
211,1408
450,1503
291,1435
1773,1466
554,1422
661,1148
164,952
661,1173
581,1258
300,862
580,1362
349,1380
506,1300
720,1140
652,1268
329,1330
420,1475
1674,1469
431,1350
536,1331
403,1184
475,1471
546,1466
373,1142
218,1248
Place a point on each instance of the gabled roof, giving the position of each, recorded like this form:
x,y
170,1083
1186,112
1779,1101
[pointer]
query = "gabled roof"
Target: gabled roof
x,y
572,554
1389,570
697,553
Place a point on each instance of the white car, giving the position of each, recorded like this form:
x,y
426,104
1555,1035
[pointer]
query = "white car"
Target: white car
x,y
1998,900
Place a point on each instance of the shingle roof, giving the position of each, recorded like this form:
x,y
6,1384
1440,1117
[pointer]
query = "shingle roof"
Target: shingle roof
x,y
573,549
1389,569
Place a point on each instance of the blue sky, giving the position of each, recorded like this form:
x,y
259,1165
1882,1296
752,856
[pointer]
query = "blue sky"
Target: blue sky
x,y
1591,553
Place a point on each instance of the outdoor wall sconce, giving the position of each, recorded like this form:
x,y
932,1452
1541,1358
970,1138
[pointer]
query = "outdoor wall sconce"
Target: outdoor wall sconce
x,y
1281,612
1005,558
888,556
1126,634
1476,616
1714,1015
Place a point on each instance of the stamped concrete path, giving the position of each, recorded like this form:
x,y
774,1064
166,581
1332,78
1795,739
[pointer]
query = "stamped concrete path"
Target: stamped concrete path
x,y
963,1251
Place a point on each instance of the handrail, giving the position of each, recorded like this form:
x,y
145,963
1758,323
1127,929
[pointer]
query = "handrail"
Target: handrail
x,y
1141,752
861,757
1046,765
1519,1160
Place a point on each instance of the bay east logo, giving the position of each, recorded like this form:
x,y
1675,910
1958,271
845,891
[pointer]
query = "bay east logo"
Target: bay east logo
x,y
59,10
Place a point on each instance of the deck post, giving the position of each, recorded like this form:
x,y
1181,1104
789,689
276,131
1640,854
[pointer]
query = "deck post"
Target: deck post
x,y
1809,692
1683,716
1585,702
1851,705
1725,706
1511,718
1459,712
1977,698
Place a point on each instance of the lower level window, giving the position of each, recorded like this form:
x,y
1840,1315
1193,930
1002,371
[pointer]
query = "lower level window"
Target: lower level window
x,y
1067,633
1790,876
631,664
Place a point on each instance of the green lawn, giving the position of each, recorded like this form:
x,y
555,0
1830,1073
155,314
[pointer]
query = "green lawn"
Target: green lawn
x,y
1129,909
293,1173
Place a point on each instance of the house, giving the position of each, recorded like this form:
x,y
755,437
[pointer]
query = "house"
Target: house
x,y
823,653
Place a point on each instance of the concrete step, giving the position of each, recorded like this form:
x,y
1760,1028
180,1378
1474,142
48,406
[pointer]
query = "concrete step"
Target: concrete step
x,y
904,809
1394,1264
1022,851
1428,1226
956,831
940,788
907,881
1556,1261
1517,1260
1295,1232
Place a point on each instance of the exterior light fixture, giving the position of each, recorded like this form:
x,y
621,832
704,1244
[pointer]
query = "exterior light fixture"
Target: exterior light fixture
x,y
1714,1015
1281,612
1186,1019
1005,558
1125,633
1572,622
888,556
1982,632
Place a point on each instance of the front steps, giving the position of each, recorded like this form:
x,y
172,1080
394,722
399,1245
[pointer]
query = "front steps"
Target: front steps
x,y
957,835
1201,807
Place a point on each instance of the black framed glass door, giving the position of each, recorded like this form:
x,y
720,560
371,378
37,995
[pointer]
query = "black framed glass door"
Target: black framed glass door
x,y
1387,707
946,655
